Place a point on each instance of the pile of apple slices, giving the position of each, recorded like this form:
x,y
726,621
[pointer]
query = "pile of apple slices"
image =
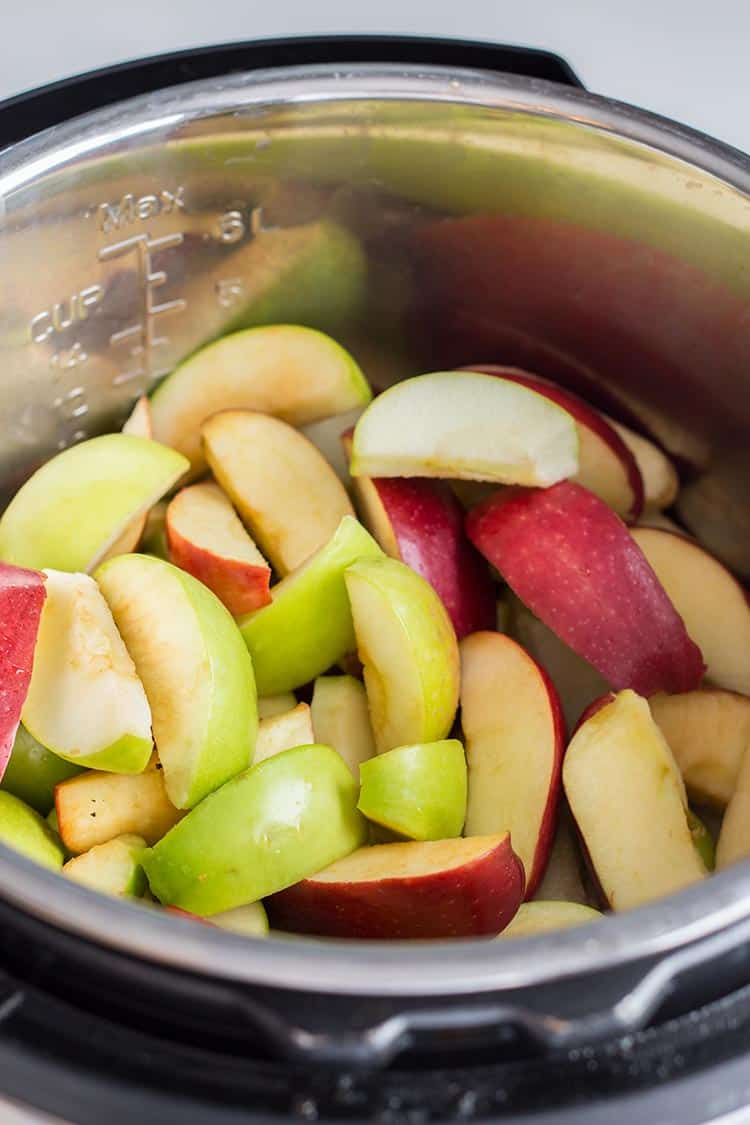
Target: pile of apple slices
x,y
225,693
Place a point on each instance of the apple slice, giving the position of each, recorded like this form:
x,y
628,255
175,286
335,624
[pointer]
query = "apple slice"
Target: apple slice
x,y
547,916
308,625
328,437
515,737
85,702
407,645
33,772
563,879
606,465
285,491
341,719
627,798
206,538
248,921
734,837
433,889
465,425
95,807
660,480
139,425
417,791
114,868
710,600
71,511
269,705
271,826
196,671
703,841
282,732
707,732
572,561
139,421
22,597
294,373
154,538
24,830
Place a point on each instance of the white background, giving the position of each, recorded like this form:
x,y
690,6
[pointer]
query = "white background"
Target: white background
x,y
688,59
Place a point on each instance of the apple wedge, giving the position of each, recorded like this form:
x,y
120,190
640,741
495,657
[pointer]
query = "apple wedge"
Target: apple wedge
x,y
341,719
22,597
283,488
95,807
195,668
547,916
33,772
660,480
626,795
71,511
433,889
272,825
515,736
294,373
248,921
24,830
734,837
328,437
465,425
114,868
703,841
708,732
563,878
606,464
85,701
139,421
205,538
409,651
710,600
574,564
308,625
416,791
269,705
138,424
282,732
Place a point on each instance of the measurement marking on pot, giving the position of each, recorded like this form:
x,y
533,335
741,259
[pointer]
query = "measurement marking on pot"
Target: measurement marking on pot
x,y
65,313
133,208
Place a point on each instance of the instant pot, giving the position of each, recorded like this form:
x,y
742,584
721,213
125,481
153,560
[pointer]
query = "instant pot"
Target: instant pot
x,y
498,213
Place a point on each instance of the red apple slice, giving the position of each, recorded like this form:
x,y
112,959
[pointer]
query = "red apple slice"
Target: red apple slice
x,y
22,596
606,465
515,736
207,539
660,480
572,561
710,600
438,889
421,522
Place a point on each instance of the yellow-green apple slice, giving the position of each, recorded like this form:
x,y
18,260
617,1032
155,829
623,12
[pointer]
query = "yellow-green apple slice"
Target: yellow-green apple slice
x,y
606,465
515,736
139,421
545,916
139,425
308,625
702,840
205,538
563,878
281,732
421,889
114,868
660,480
628,801
195,668
22,597
710,600
24,830
269,705
734,837
465,425
265,829
85,701
708,732
96,807
71,511
291,372
416,791
154,538
33,772
409,651
341,719
248,921
573,563
328,436
283,488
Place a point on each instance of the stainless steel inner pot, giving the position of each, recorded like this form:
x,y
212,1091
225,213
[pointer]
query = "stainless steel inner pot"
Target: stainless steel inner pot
x,y
425,218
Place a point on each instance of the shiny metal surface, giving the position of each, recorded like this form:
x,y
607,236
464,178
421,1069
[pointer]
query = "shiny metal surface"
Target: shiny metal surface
x,y
425,219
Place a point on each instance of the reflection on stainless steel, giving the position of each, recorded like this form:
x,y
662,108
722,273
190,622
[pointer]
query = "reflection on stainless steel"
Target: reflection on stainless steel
x,y
424,223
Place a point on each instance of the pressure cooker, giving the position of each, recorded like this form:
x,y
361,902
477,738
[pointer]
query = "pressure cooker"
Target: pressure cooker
x,y
140,206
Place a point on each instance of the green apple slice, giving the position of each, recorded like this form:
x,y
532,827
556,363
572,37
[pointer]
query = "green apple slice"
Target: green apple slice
x,y
249,921
275,824
296,374
70,512
33,772
544,917
85,702
308,625
24,830
467,426
408,647
195,669
114,868
341,719
417,791
270,705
